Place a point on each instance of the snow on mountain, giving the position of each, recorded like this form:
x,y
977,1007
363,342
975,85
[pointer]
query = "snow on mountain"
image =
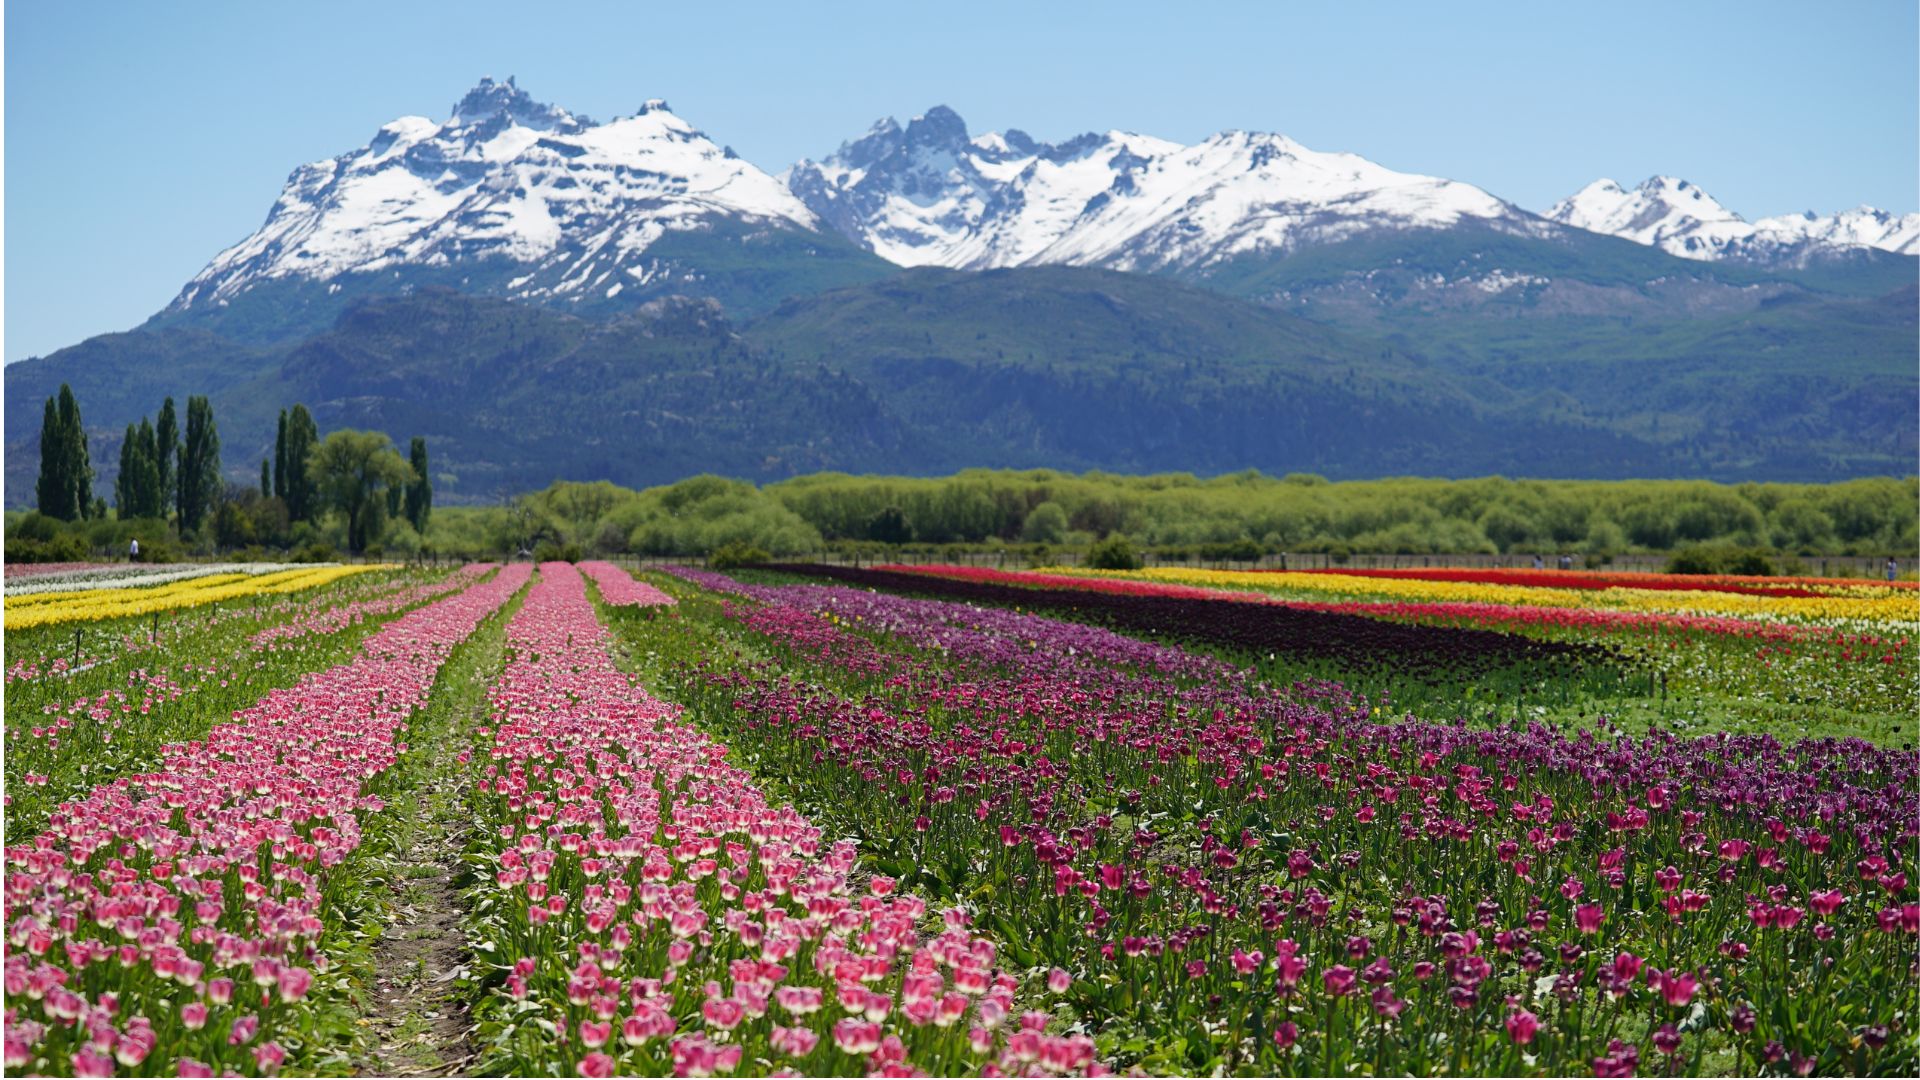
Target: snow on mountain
x,y
505,177
929,193
1681,219
1664,212
515,197
1862,226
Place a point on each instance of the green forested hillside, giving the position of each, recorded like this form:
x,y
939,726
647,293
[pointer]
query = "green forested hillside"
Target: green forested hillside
x,y
933,371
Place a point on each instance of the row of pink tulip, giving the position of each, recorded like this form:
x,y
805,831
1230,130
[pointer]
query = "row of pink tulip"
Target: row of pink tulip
x,y
202,667
619,589
656,911
176,915
394,597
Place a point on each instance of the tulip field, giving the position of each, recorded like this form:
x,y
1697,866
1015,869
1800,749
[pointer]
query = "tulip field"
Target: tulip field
x,y
588,820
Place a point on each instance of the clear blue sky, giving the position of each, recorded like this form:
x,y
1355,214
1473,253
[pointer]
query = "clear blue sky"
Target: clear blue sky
x,y
141,138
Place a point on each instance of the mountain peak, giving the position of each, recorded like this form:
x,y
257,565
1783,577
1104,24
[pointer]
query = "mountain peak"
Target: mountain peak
x,y
937,127
556,205
931,195
1675,189
489,99
1681,218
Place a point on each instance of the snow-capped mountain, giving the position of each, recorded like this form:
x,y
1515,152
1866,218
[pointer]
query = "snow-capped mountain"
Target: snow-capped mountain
x,y
1862,226
1679,218
512,197
929,193
568,205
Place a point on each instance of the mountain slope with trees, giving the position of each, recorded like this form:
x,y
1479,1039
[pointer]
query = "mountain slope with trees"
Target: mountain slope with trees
x,y
932,371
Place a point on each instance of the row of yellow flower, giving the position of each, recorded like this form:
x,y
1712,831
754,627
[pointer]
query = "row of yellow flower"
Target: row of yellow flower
x,y
1858,605
184,585
123,603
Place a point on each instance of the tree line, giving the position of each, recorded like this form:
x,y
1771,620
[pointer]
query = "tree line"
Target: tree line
x,y
1240,517
352,483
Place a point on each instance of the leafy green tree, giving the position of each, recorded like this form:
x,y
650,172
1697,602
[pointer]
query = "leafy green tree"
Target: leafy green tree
x,y
1605,539
1114,553
166,454
1509,525
889,526
351,472
198,474
737,553
232,527
1798,523
420,492
1046,524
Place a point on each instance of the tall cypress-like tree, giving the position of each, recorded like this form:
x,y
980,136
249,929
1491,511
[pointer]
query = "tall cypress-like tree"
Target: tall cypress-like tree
x,y
78,461
280,457
55,489
125,498
146,464
302,436
198,475
420,490
166,434
65,488
266,479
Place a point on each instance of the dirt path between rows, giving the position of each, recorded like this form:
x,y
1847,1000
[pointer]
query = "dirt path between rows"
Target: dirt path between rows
x,y
417,1014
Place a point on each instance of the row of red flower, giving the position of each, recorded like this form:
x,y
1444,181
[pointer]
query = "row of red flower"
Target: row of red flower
x,y
1487,614
1617,579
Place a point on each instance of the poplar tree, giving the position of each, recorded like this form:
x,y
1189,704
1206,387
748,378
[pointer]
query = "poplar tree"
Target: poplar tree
x,y
125,498
198,474
302,436
78,461
65,488
280,457
55,490
420,491
146,464
166,451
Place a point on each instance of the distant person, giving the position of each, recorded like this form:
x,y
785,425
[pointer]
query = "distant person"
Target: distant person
x,y
1539,563
1283,560
1566,562
133,551
1893,568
